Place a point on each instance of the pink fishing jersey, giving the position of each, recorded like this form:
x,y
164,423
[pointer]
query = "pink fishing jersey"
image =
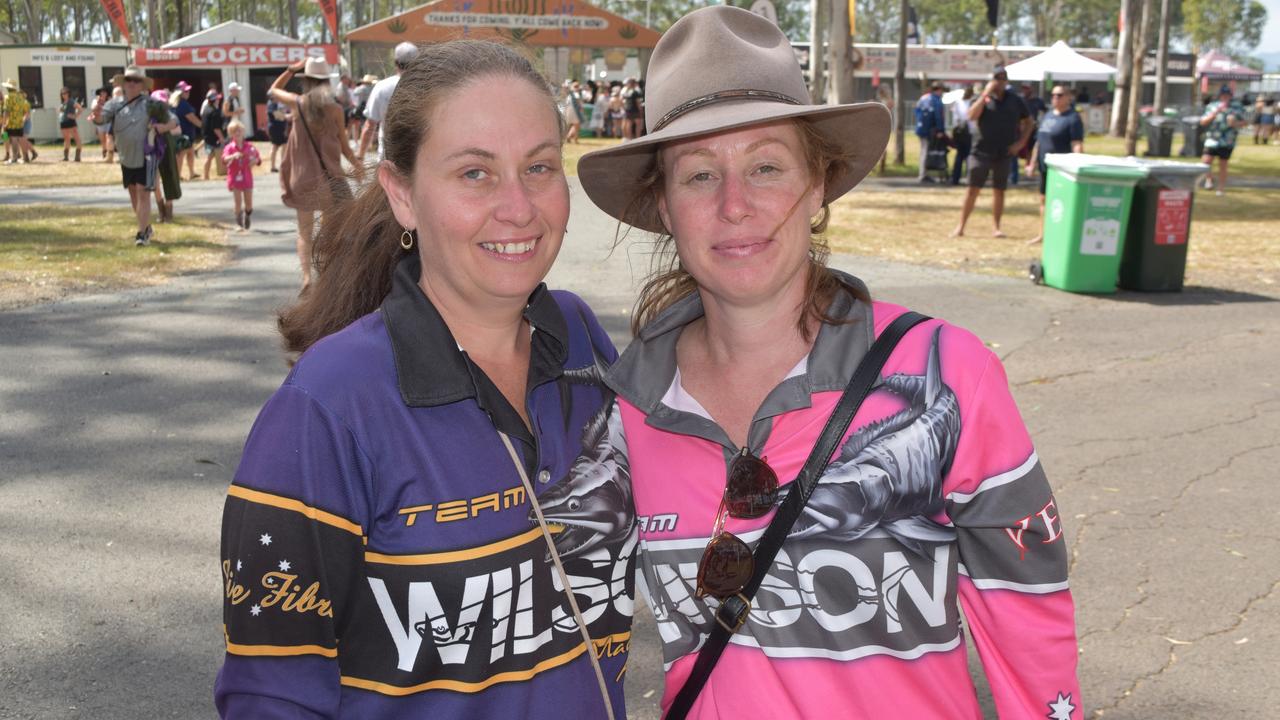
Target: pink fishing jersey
x,y
935,502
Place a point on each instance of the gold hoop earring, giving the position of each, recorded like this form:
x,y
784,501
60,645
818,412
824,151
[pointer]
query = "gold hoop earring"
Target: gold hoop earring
x,y
406,239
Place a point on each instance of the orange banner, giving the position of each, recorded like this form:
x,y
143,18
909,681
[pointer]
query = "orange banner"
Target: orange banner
x,y
115,11
330,10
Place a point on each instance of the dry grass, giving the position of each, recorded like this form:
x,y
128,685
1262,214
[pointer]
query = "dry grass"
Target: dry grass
x,y
49,171
49,251
573,151
1231,247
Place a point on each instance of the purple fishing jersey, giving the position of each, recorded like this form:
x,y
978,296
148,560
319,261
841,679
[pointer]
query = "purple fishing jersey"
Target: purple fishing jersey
x,y
378,558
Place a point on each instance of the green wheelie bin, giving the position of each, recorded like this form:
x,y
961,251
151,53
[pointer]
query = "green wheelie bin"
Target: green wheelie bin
x,y
1086,217
1155,249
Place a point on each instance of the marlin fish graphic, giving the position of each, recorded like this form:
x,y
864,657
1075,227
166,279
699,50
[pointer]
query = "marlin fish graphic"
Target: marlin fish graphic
x,y
593,504
889,474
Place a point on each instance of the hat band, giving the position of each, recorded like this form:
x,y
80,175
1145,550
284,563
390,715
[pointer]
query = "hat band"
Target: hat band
x,y
722,96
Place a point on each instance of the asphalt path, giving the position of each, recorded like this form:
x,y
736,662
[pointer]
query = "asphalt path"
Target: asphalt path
x,y
122,417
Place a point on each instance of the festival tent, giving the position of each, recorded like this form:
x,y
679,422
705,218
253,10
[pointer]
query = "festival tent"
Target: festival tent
x,y
536,23
1059,62
1216,65
232,51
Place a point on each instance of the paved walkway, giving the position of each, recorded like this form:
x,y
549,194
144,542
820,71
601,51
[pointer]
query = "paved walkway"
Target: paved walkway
x,y
122,417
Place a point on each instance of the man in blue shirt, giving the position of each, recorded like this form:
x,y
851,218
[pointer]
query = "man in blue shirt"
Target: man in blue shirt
x,y
1061,131
189,121
931,124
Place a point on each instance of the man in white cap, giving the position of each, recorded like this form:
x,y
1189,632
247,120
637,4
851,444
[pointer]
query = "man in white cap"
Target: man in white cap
x,y
232,106
380,98
128,117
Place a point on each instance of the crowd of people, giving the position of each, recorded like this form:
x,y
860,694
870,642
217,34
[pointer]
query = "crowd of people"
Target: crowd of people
x,y
612,110
998,135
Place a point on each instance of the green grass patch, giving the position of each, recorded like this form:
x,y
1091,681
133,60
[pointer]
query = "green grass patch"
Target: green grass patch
x,y
49,251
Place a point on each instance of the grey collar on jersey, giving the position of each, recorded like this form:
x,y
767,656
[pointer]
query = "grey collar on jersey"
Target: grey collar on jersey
x,y
644,373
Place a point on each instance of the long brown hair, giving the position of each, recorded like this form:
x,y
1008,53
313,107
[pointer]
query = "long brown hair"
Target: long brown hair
x,y
669,282
357,246
316,97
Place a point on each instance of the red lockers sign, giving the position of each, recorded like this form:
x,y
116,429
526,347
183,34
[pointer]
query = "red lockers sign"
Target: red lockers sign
x,y
1173,217
236,54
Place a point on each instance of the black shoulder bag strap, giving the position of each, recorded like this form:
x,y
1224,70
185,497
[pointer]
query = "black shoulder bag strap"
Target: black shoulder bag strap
x,y
733,612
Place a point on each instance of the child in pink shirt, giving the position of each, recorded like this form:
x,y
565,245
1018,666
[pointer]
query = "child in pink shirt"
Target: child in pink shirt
x,y
240,157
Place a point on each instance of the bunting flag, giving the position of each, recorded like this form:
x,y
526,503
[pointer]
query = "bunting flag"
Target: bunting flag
x,y
330,10
852,19
115,11
913,26
993,10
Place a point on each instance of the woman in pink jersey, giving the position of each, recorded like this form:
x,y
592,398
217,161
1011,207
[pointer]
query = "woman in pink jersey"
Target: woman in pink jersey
x,y
934,502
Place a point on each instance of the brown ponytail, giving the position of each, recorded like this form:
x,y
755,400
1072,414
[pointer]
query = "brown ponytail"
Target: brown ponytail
x,y
357,245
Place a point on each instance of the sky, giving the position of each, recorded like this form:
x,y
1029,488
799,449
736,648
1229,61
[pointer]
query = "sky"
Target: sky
x,y
1271,33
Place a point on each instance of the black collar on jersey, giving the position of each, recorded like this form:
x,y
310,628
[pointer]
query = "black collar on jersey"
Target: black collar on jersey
x,y
431,370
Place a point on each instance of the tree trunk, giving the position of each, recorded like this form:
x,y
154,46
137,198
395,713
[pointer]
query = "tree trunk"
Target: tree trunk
x,y
153,23
1124,68
293,19
34,22
818,13
899,78
1197,102
1162,58
840,69
1135,83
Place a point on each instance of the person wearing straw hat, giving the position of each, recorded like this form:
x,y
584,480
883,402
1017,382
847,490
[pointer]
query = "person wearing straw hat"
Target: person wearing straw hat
x,y
130,118
745,340
311,174
14,113
232,106
378,553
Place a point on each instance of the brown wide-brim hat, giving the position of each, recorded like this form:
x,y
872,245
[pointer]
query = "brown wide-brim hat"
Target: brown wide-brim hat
x,y
721,68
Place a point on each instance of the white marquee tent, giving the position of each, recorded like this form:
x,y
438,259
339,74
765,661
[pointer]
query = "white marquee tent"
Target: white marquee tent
x,y
1061,63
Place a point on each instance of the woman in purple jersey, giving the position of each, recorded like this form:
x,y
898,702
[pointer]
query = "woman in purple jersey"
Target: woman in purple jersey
x,y
383,555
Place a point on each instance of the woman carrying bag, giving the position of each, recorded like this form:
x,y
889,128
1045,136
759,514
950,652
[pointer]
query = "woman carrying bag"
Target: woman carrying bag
x,y
822,483
311,173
